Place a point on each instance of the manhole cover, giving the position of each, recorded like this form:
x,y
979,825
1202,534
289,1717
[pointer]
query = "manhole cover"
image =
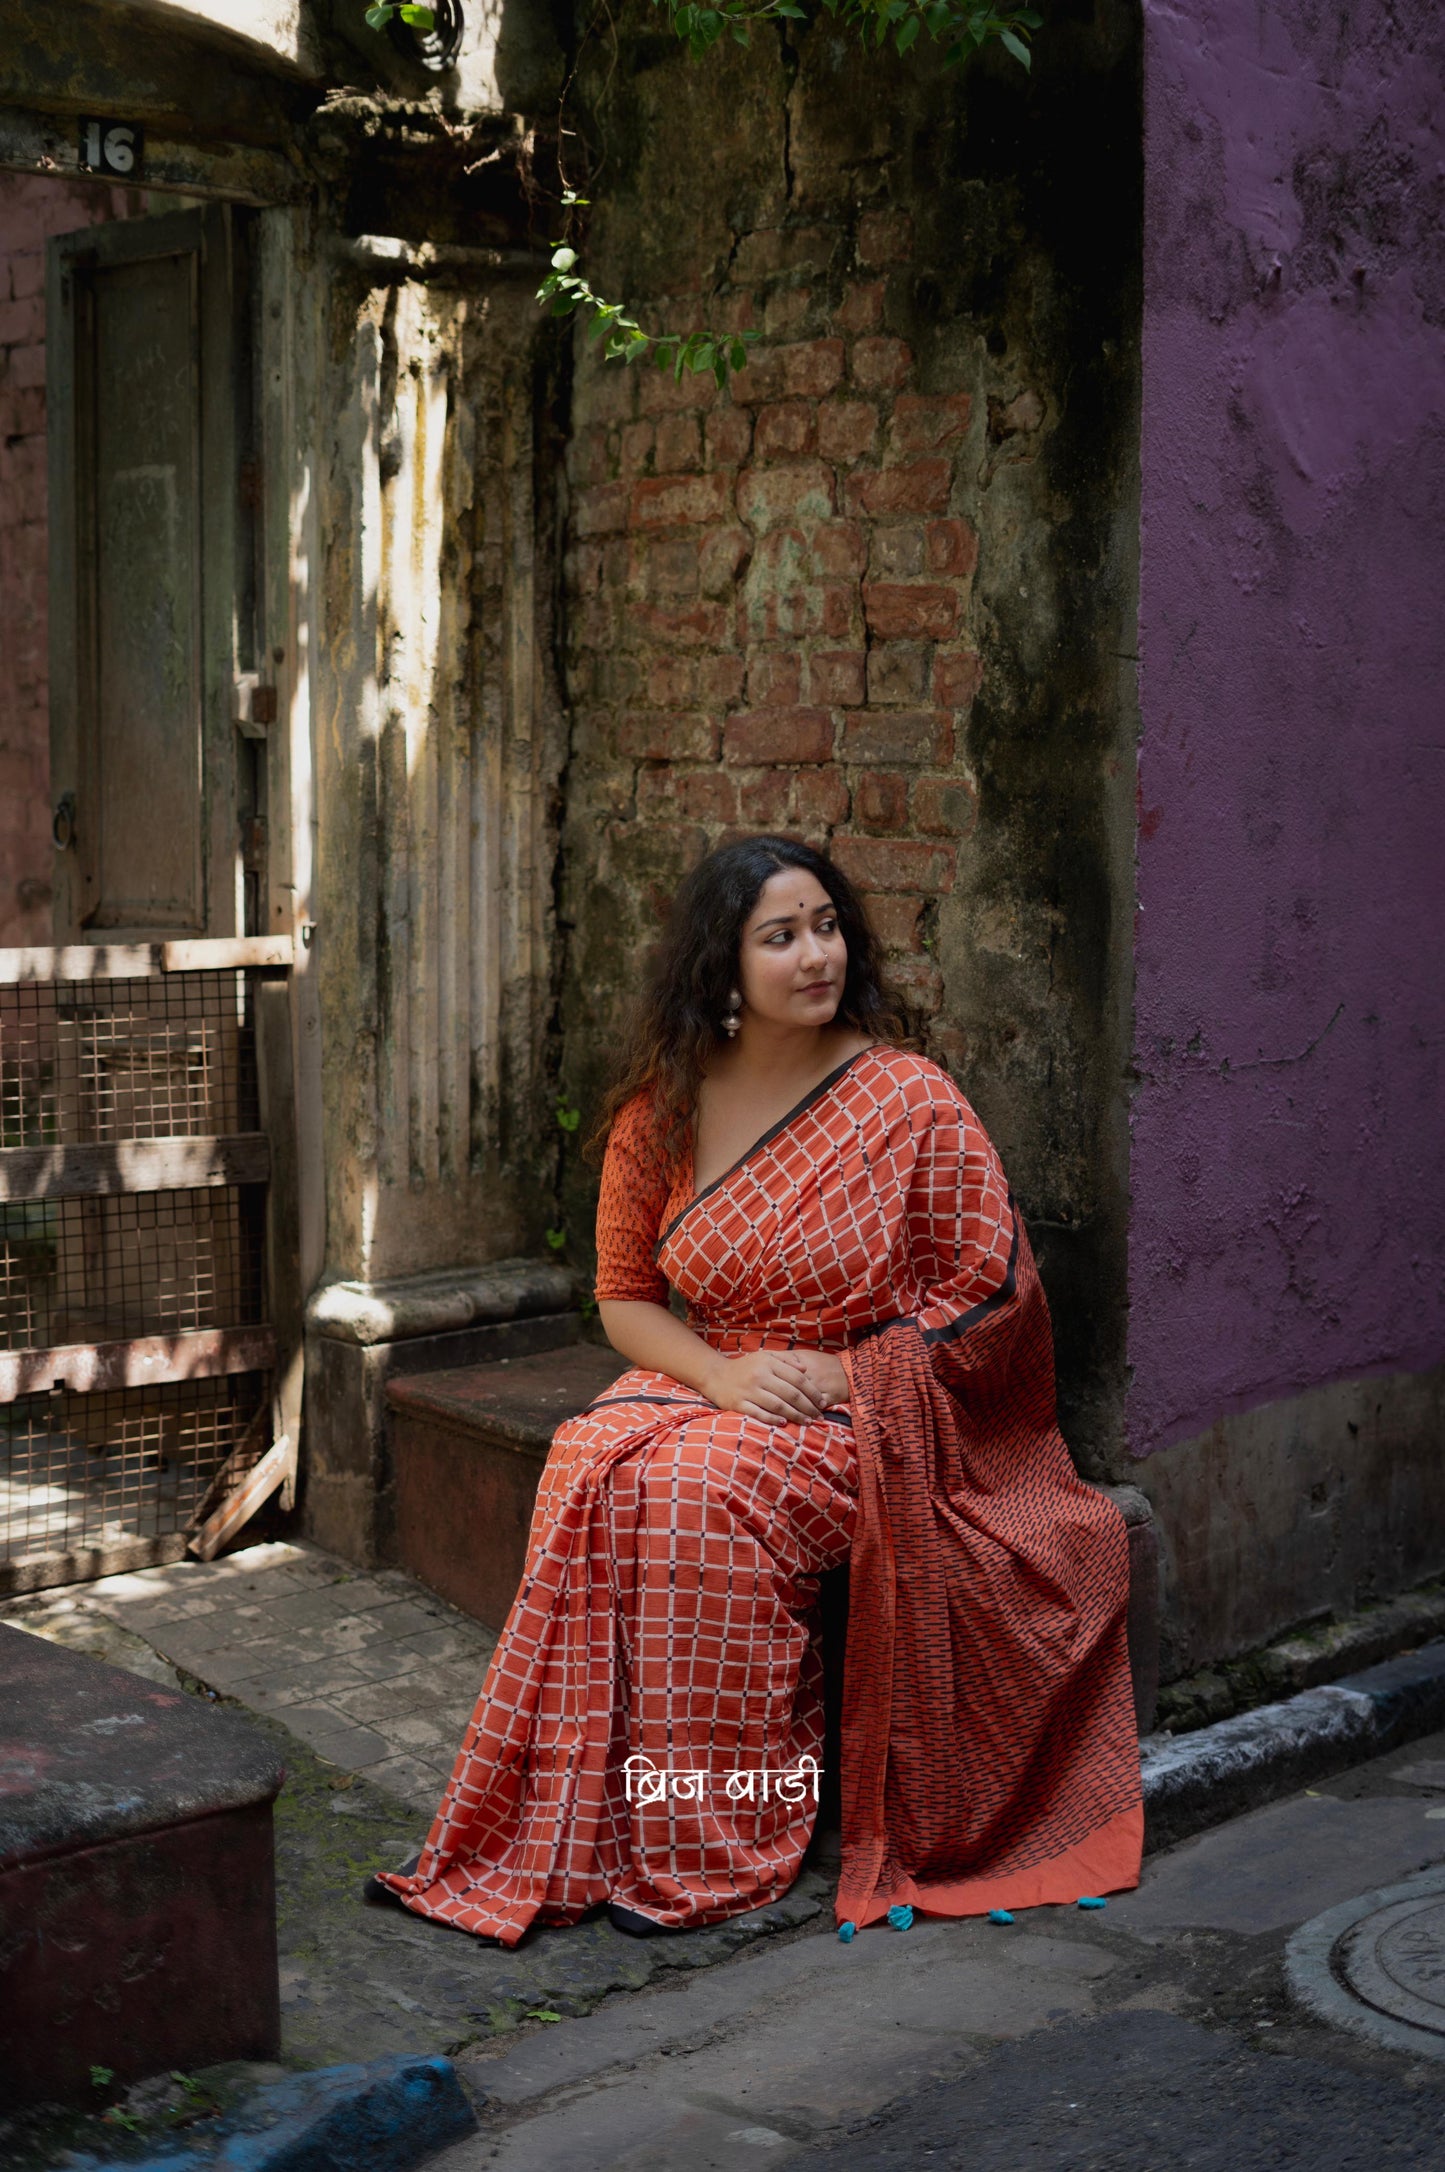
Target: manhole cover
x,y
1377,1965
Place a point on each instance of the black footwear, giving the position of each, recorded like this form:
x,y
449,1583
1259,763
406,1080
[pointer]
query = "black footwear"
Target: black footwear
x,y
632,1925
378,1894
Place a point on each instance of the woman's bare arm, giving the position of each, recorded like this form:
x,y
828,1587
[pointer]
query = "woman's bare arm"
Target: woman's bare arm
x,y
773,1385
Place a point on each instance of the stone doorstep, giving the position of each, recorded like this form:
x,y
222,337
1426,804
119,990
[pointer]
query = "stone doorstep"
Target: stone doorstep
x,y
134,1819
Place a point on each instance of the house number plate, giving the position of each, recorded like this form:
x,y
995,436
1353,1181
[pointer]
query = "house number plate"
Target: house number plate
x,y
113,147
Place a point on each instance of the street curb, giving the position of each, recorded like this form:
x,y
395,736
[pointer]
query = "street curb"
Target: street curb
x,y
382,2117
1311,1978
1213,1773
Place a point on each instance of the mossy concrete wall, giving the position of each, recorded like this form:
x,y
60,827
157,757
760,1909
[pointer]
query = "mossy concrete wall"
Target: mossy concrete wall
x,y
880,591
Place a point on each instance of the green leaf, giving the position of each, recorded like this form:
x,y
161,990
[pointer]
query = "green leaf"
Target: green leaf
x,y
379,17
101,2077
556,1238
563,259
568,1118
1016,46
419,18
908,33
542,2013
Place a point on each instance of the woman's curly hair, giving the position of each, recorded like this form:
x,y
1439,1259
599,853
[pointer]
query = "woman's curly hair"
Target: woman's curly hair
x,y
679,1026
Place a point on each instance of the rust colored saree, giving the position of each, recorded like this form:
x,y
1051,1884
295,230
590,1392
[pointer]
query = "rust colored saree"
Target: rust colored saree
x,y
652,1719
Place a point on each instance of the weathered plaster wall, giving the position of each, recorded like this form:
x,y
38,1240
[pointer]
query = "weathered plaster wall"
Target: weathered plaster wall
x,y
32,208
1289,1188
1288,1182
877,591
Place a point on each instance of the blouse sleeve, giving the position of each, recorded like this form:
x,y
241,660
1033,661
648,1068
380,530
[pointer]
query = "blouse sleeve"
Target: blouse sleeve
x,y
630,1207
964,1238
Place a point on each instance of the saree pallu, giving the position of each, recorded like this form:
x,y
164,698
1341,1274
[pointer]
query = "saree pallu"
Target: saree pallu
x,y
653,1713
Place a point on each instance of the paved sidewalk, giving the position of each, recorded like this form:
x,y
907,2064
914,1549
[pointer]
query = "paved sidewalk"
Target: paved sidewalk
x,y
374,1673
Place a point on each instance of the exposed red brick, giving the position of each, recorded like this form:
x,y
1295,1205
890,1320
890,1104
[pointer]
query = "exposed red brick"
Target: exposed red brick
x,y
729,436
838,618
896,920
838,549
635,442
720,679
819,798
772,736
949,1045
812,367
881,365
802,490
836,677
895,863
922,425
787,311
683,626
663,565
956,676
660,393
885,237
699,795
679,443
774,681
724,553
880,800
861,309
945,806
847,429
920,487
605,392
952,548
672,681
784,430
589,457
768,250
898,735
582,568
898,671
910,610
601,510
736,312
666,501
650,736
765,798
896,549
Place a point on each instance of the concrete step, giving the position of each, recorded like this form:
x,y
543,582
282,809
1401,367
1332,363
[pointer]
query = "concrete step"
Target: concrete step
x,y
467,1447
137,1879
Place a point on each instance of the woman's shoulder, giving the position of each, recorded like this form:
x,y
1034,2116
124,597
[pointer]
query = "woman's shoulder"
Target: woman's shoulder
x,y
917,1079
636,1127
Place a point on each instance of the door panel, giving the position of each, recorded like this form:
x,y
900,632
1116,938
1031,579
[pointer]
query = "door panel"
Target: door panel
x,y
144,365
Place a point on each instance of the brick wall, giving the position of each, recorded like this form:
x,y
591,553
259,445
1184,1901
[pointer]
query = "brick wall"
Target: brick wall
x,y
31,210
878,591
771,588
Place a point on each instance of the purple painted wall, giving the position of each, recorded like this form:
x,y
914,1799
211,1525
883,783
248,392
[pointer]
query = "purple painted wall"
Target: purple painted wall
x,y
1288,1169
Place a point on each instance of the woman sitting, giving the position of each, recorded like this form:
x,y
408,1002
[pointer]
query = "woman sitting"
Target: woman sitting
x,y
865,1374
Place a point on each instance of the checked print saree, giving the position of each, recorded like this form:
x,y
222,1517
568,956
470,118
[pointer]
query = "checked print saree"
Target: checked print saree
x,y
663,1641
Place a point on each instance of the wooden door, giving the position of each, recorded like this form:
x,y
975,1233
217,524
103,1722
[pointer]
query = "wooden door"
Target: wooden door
x,y
151,577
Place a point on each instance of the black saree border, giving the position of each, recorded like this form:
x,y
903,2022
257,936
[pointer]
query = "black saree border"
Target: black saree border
x,y
996,1299
823,1086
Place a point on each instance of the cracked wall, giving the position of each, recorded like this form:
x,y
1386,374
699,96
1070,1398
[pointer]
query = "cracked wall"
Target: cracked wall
x,y
879,592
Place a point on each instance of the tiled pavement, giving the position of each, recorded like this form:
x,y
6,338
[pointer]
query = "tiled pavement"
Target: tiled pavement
x,y
373,1671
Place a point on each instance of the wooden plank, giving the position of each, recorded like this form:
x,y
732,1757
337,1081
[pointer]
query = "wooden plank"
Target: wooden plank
x,y
218,955
80,961
118,1557
243,1457
256,1488
133,1165
145,1361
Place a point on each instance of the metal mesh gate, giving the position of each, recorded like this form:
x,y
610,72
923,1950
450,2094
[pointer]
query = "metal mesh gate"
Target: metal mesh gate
x,y
135,1344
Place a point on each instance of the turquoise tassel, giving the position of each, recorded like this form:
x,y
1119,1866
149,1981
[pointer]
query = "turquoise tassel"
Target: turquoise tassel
x,y
847,1932
1086,1901
999,1915
901,1918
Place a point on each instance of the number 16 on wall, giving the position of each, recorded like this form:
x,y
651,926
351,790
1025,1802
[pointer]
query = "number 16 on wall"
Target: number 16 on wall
x,y
112,147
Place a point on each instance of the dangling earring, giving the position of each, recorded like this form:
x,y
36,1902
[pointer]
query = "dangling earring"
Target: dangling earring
x,y
732,1016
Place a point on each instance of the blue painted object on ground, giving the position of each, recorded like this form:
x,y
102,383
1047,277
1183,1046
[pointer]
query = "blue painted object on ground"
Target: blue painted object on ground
x,y
847,1932
999,1915
382,2117
901,1918
1086,1900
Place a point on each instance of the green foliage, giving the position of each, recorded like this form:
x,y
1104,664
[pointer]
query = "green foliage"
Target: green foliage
x,y
568,1117
101,2077
623,340
541,2013
556,1239
959,28
416,18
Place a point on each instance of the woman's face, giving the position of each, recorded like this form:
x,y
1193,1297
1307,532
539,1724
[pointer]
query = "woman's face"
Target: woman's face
x,y
792,959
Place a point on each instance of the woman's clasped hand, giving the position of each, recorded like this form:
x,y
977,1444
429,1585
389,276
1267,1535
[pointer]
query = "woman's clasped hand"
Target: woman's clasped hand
x,y
779,1386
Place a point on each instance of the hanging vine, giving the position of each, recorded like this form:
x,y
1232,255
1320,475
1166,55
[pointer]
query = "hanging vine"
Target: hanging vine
x,y
960,29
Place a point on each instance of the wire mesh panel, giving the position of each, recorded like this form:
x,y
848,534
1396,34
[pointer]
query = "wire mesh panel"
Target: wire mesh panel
x,y
127,1107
